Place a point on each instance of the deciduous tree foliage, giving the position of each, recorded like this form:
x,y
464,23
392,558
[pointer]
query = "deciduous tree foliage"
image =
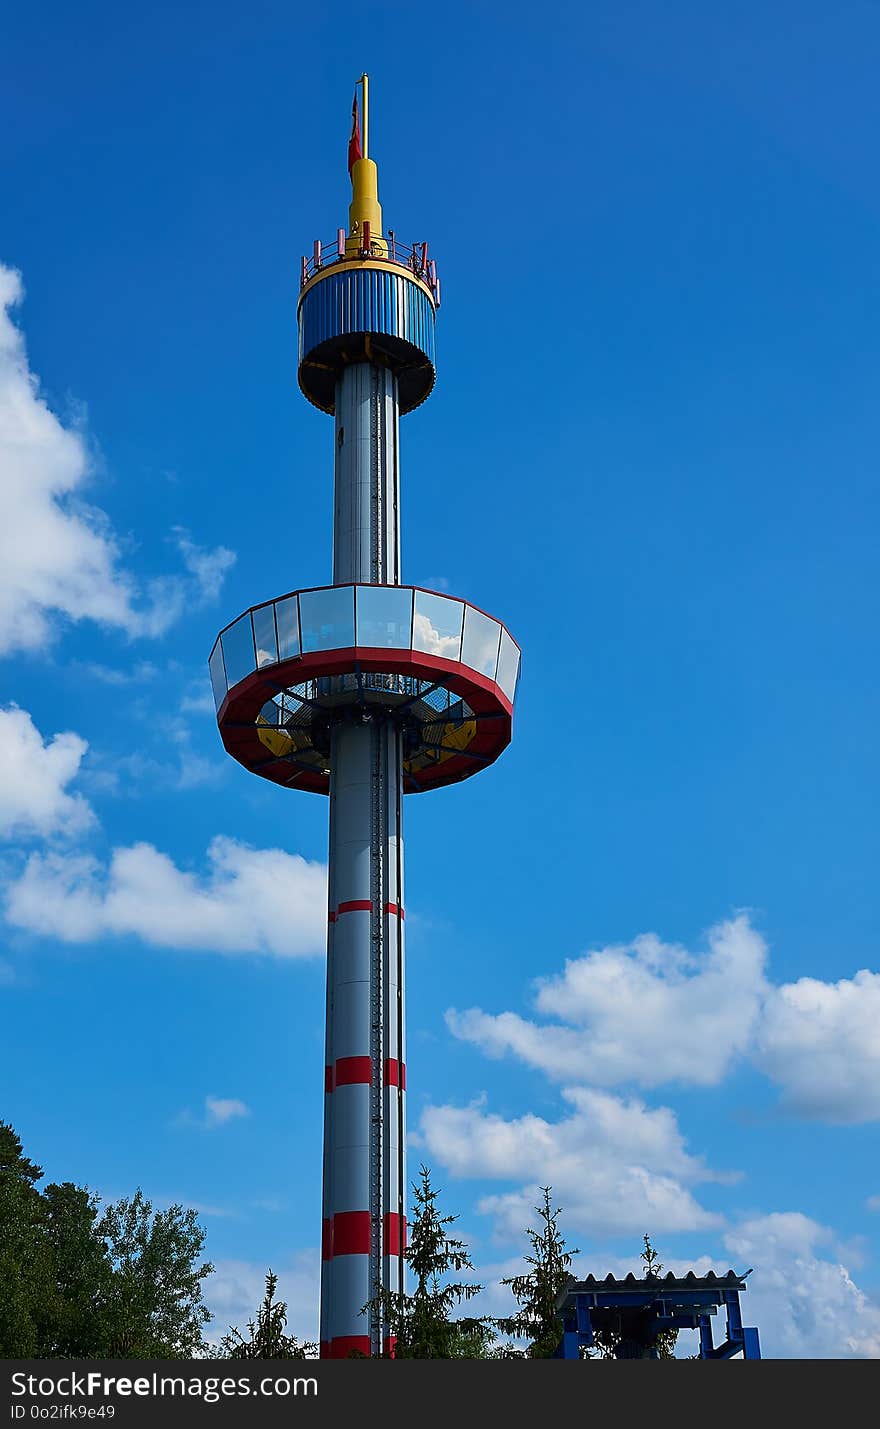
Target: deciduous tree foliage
x,y
27,1293
76,1283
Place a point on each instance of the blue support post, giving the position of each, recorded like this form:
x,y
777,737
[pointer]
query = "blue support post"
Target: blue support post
x,y
707,1348
734,1319
584,1323
751,1343
570,1346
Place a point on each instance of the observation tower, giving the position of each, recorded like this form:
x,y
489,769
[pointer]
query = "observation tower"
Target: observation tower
x,y
365,690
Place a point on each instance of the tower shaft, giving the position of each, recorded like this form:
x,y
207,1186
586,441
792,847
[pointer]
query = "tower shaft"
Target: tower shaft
x,y
364,1126
366,512
365,690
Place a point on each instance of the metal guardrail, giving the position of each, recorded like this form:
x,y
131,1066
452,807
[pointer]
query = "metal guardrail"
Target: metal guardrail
x,y
389,249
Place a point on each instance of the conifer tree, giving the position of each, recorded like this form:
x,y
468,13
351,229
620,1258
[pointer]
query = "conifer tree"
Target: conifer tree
x,y
269,1339
607,1342
537,1290
665,1341
422,1322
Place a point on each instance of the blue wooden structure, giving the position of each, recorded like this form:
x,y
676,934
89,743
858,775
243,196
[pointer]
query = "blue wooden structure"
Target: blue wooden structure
x,y
636,1311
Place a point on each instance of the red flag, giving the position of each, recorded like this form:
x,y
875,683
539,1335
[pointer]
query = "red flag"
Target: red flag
x,y
354,143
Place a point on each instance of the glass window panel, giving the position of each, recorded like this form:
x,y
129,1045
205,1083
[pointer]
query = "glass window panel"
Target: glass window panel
x,y
264,635
479,648
238,650
218,675
384,616
508,665
327,618
437,625
287,617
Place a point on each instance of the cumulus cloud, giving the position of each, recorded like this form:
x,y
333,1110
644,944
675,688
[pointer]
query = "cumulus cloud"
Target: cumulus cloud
x,y
819,1041
59,556
34,775
615,1164
647,1012
247,901
806,1305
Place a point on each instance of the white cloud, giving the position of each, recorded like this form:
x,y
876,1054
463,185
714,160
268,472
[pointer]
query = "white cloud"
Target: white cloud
x,y
34,775
58,556
806,1306
137,674
235,1290
819,1042
139,772
873,1203
198,700
614,1164
649,1013
208,567
247,901
219,1110
646,1013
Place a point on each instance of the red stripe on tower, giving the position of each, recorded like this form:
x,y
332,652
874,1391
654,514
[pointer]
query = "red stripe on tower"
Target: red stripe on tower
x,y
353,1071
395,1244
355,905
395,1073
349,1346
351,1233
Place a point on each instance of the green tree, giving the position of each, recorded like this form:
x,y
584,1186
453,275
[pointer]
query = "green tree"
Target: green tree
x,y
82,1275
422,1322
607,1341
155,1307
269,1339
26,1275
664,1342
537,1291
75,1283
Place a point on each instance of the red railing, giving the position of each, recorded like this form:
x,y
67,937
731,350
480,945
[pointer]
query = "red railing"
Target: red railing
x,y
389,249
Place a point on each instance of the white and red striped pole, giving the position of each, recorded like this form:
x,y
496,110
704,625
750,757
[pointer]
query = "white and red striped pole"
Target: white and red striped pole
x,y
364,1224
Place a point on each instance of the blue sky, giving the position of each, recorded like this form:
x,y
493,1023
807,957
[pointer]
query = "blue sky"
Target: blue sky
x,y
652,450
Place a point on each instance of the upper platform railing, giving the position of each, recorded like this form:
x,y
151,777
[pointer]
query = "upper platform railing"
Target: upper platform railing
x,y
389,249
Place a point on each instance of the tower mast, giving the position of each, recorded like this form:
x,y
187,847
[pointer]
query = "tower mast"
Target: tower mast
x,y
365,690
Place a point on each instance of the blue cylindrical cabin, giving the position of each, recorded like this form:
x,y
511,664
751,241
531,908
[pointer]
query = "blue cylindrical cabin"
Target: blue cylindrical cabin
x,y
367,311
